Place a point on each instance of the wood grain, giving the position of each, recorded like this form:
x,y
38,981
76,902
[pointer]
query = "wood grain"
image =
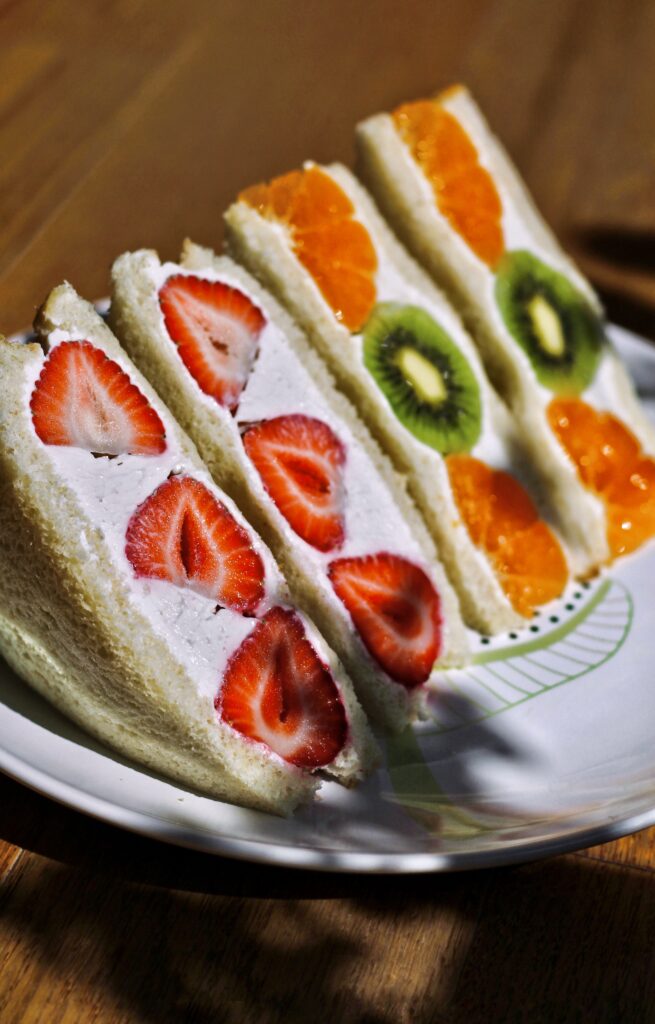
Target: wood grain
x,y
125,124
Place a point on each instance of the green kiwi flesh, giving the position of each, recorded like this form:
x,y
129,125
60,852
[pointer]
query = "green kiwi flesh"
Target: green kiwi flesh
x,y
427,381
552,322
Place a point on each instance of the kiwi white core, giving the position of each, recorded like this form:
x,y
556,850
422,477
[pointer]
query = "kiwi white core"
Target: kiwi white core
x,y
424,378
547,326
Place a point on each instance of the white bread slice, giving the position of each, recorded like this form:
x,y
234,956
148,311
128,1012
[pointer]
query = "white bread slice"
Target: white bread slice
x,y
265,249
76,629
288,365
405,195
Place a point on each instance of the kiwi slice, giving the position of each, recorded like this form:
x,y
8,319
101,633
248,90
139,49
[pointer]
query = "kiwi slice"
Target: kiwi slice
x,y
426,379
552,322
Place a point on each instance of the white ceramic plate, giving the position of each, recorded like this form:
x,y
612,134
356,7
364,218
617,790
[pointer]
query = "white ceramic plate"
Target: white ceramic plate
x,y
543,745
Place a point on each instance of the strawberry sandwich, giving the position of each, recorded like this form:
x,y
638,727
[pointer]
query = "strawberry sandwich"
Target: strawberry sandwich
x,y
262,409
136,597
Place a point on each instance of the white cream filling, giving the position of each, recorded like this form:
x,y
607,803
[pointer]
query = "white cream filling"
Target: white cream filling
x,y
279,385
108,492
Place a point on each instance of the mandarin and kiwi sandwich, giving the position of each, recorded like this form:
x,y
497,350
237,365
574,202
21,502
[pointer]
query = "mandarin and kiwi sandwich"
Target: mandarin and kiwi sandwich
x,y
458,203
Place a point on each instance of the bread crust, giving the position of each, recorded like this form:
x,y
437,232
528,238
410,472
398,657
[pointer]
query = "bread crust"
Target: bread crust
x,y
70,628
137,320
255,242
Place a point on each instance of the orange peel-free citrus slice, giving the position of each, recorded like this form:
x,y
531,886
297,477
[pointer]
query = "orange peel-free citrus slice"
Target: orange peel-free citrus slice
x,y
330,243
464,190
610,462
503,521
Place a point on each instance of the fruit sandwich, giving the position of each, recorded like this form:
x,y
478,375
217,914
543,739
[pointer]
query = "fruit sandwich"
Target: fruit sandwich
x,y
401,354
261,408
453,196
136,597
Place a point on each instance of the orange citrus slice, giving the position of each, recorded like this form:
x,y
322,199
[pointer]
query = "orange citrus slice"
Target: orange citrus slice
x,y
335,248
464,190
610,462
503,521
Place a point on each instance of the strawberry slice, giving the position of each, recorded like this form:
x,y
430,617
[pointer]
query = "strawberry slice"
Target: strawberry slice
x,y
300,460
396,611
182,534
85,400
216,329
276,690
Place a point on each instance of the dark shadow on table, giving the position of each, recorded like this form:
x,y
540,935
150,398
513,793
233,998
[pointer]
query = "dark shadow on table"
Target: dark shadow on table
x,y
528,944
626,248
629,250
627,310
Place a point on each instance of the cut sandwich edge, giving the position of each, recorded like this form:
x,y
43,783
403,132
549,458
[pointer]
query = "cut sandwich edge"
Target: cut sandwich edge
x,y
138,324
101,620
253,242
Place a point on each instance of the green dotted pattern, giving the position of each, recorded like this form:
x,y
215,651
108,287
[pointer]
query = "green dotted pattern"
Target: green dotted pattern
x,y
501,677
590,628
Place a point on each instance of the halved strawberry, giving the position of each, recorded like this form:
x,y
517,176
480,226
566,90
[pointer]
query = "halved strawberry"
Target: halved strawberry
x,y
300,460
216,329
84,399
182,534
276,690
396,611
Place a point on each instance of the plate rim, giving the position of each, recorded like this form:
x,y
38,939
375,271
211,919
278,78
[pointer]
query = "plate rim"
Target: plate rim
x,y
277,854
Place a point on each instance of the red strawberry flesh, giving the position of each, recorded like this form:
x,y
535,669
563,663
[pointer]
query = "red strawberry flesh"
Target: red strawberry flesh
x,y
277,691
396,611
83,399
216,329
300,461
181,533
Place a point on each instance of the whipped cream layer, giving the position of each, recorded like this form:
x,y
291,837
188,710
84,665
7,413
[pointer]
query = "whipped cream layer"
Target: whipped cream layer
x,y
108,491
280,385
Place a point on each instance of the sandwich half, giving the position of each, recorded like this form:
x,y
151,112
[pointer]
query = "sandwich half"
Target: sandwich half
x,y
403,357
136,597
453,196
263,411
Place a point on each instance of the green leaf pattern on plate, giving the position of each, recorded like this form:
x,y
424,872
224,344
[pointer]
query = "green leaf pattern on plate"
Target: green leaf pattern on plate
x,y
503,676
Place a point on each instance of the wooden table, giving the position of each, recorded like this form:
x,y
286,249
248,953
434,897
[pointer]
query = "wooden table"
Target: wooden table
x,y
126,124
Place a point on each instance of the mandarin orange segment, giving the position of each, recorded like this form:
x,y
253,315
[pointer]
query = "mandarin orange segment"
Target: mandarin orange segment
x,y
342,243
636,489
472,486
502,519
512,510
345,290
531,567
628,527
334,247
319,200
258,197
610,463
464,190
